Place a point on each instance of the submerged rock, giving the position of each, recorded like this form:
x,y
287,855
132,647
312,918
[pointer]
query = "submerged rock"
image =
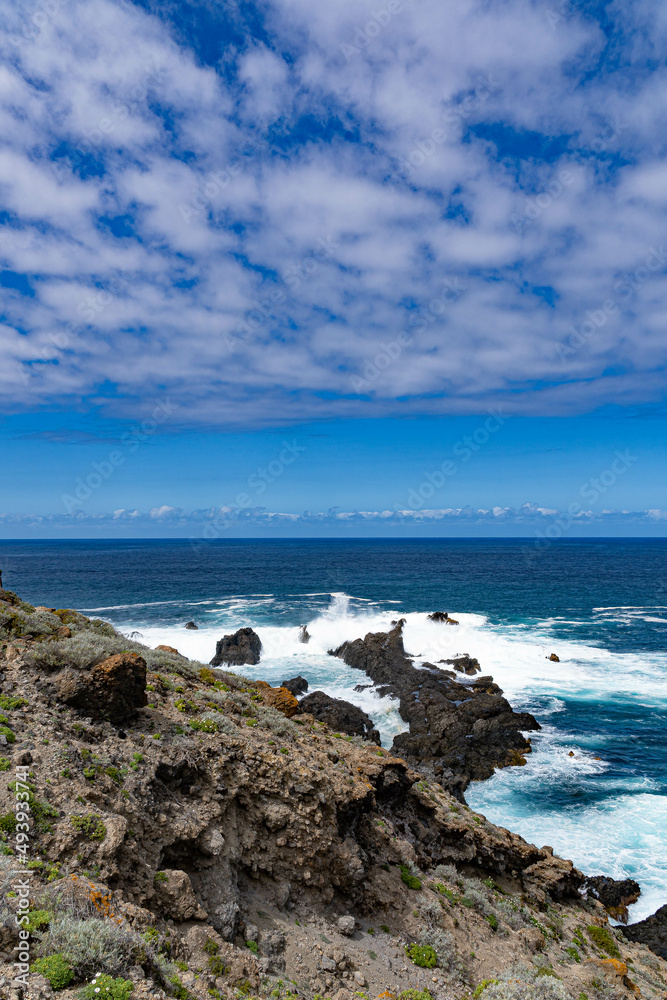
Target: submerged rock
x,y
340,715
191,625
463,730
243,646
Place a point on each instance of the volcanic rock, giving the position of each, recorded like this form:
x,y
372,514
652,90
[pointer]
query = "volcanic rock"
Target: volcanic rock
x,y
464,664
652,932
297,685
113,689
279,698
614,895
340,715
442,616
304,634
243,646
463,730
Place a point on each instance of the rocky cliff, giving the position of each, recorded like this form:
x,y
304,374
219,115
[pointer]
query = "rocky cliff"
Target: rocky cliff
x,y
188,839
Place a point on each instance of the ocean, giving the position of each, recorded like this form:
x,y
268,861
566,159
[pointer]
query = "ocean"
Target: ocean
x,y
601,605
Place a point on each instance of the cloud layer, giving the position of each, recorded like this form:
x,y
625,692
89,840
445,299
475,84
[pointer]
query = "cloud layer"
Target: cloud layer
x,y
214,522
290,210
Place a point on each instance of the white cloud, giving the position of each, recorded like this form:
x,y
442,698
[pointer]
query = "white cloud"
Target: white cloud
x,y
229,177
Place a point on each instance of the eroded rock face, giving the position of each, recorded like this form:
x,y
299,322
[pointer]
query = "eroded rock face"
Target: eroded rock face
x,y
176,896
614,895
340,715
465,730
651,932
551,877
243,646
113,689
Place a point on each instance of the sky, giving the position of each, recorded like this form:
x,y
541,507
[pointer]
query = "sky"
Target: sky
x,y
296,268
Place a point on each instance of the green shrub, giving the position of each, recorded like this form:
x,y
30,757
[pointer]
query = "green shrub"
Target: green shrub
x,y
104,987
415,995
9,703
90,825
178,989
204,725
217,966
211,948
492,921
410,880
38,920
254,947
160,878
6,731
8,823
422,955
5,763
55,969
482,986
603,939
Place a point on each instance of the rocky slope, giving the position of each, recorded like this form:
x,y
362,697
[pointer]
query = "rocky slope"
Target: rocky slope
x,y
189,838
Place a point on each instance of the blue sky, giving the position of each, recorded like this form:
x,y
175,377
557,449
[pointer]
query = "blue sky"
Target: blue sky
x,y
332,240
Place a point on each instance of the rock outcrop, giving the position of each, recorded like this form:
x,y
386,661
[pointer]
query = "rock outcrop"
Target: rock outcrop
x,y
340,715
304,634
614,895
464,664
114,689
463,731
280,698
296,685
652,932
242,647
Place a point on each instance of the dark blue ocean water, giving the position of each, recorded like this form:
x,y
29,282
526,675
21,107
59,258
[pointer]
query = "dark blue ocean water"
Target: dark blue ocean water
x,y
600,604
